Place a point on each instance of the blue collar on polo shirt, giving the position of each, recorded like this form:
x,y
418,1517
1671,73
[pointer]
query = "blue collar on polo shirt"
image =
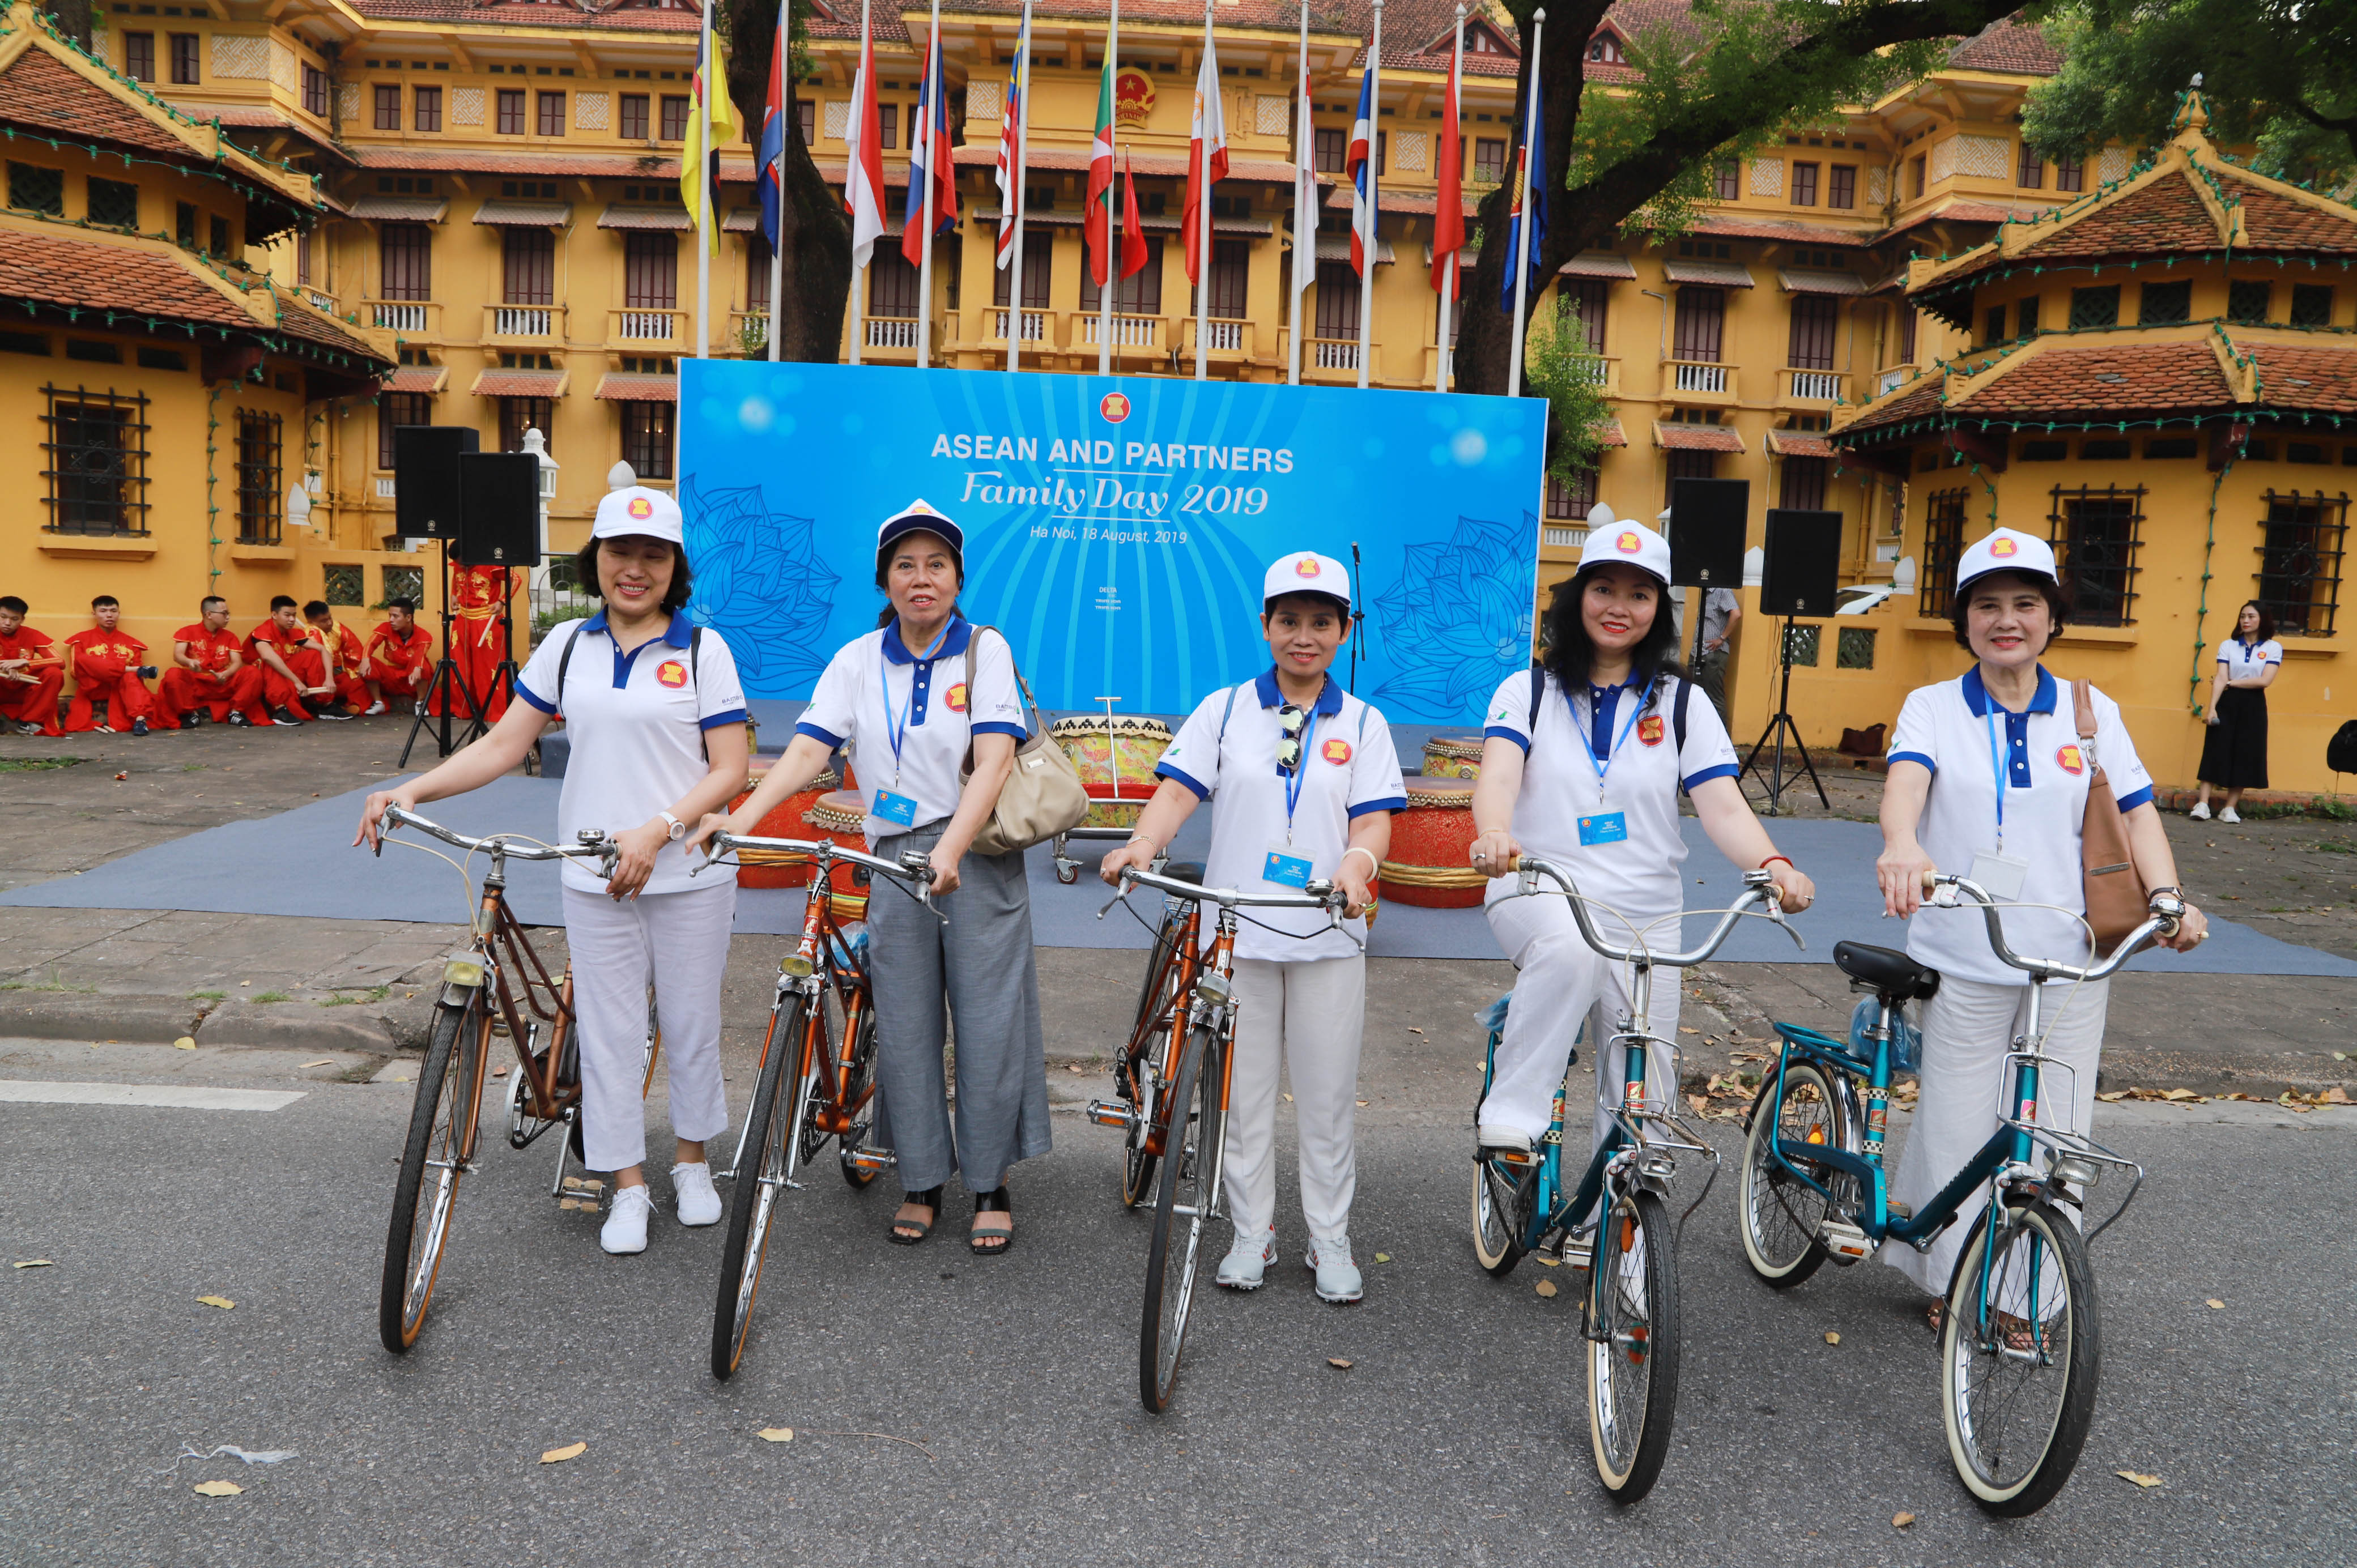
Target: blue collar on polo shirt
x,y
2017,725
1603,703
678,634
1329,696
1976,696
961,631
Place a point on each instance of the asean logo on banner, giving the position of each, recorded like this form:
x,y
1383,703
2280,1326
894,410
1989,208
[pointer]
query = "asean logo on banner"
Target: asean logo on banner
x,y
2070,760
642,508
1115,406
1648,729
957,698
1337,751
2002,548
671,672
1628,544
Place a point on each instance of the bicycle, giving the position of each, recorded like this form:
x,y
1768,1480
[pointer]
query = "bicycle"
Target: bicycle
x,y
2021,1301
1178,1099
817,1077
1628,1312
478,1001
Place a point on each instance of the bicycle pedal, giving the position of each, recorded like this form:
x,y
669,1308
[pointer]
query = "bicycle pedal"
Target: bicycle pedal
x,y
1112,1113
1845,1242
873,1161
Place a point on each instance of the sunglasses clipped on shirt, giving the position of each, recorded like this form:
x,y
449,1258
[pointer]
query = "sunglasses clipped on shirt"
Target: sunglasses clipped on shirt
x,y
1291,720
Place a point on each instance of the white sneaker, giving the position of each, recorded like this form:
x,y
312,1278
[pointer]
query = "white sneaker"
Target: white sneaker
x,y
1490,1135
1247,1262
692,1195
1338,1277
2200,811
626,1221
2228,815
374,708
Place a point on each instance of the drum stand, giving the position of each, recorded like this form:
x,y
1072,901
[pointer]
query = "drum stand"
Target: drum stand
x,y
1778,728
1068,870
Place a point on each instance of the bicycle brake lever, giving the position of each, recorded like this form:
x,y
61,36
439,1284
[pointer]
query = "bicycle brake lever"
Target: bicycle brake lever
x,y
1119,897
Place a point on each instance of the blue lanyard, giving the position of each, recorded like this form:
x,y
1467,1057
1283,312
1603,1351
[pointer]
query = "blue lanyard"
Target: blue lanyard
x,y
1587,747
893,731
1998,766
1293,780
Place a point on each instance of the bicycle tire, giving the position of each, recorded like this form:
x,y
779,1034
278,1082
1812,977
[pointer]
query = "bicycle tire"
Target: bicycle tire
x,y
1636,1363
406,1289
1496,1242
863,1070
1190,1172
1137,1158
752,1207
1778,1216
2070,1407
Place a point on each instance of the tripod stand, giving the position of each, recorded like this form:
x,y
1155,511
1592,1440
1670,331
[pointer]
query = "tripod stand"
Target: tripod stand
x,y
1778,728
451,685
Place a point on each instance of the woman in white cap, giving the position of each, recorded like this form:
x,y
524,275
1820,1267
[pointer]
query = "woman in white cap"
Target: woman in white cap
x,y
1303,778
656,720
1988,778
1582,764
913,699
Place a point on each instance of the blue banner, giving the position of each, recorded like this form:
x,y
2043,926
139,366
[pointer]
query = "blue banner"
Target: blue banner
x,y
1117,527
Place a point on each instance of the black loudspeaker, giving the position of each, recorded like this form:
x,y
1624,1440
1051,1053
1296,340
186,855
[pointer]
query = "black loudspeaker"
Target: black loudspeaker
x,y
500,494
1804,562
1708,518
425,477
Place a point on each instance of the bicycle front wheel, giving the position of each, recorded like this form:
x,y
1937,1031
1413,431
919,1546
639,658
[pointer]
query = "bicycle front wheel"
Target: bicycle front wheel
x,y
1780,1214
1632,1349
441,1141
772,1125
2019,1356
1190,1185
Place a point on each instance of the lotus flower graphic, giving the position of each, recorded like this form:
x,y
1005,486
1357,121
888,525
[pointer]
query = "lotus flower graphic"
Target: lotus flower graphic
x,y
1458,619
760,584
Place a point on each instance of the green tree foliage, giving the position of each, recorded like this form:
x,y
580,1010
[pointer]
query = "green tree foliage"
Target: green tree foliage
x,y
2279,75
1561,370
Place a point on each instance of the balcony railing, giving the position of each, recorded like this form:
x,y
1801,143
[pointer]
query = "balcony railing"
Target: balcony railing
x,y
1815,386
1697,376
1333,353
1894,378
399,315
1224,337
650,325
522,320
326,302
1129,331
1035,326
891,332
384,488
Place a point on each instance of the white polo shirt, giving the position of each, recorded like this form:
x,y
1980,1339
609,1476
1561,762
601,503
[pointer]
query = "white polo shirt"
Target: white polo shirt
x,y
1948,728
1226,753
875,686
2248,661
636,722
1636,874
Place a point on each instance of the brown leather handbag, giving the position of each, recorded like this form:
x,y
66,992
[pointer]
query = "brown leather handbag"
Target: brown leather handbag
x,y
1043,796
2114,892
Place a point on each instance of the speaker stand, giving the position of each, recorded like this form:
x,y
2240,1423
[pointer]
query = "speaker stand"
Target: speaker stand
x,y
448,686
1778,729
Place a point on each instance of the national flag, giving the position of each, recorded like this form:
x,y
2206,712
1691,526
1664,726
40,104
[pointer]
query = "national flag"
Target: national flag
x,y
1304,190
1133,231
699,161
1099,223
770,178
1448,222
1207,153
1524,241
863,185
933,178
1010,146
1360,164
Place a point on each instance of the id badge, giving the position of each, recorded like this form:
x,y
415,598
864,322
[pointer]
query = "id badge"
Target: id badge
x,y
1603,827
1285,868
2002,875
894,808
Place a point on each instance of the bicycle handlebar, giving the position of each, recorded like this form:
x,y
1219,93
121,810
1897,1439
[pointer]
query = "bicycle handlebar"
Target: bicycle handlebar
x,y
911,867
594,844
1758,888
2166,911
1318,895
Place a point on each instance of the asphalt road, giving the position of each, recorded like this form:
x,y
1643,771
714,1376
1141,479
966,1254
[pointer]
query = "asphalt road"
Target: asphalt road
x,y
1457,1435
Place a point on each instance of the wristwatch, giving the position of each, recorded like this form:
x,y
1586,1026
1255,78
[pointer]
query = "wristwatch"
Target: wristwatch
x,y
678,828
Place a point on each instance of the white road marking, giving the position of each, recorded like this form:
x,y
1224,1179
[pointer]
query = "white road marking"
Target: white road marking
x,y
174,1096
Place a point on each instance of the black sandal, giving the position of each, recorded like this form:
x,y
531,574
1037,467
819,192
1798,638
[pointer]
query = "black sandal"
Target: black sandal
x,y
930,1198
992,1202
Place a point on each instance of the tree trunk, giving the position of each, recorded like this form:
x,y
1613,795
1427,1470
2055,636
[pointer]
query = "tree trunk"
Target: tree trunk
x,y
73,18
814,232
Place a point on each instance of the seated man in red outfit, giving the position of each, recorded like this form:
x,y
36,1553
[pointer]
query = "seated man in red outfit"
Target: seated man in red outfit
x,y
209,679
294,665
344,657
32,673
106,669
400,659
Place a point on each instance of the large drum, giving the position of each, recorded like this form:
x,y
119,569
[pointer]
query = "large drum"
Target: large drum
x,y
842,817
1453,757
1432,843
784,821
1115,761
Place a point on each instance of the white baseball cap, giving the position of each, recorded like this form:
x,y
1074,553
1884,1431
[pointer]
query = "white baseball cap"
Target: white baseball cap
x,y
638,510
1306,572
1629,542
2007,550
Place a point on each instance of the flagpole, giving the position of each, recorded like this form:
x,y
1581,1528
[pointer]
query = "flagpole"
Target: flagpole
x,y
1522,259
1305,242
1375,161
1449,294
1113,265
1203,222
706,63
777,176
1022,166
929,105
858,103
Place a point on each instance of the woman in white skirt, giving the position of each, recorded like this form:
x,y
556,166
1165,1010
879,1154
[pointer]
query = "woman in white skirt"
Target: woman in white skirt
x,y
1988,779
656,720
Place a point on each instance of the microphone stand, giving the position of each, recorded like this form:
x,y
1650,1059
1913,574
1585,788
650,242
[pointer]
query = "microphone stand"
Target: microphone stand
x,y
1358,618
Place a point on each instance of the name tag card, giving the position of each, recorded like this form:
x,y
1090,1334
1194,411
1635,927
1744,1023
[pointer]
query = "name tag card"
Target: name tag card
x,y
1604,827
895,807
1285,868
2002,875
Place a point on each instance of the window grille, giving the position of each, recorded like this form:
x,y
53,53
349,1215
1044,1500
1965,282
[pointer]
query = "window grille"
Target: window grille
x,y
2299,561
2247,299
2094,537
342,586
257,478
2095,306
96,452
647,438
2311,305
2165,303
113,204
2070,174
405,582
1804,484
2029,172
1726,175
1943,542
33,188
1801,644
1804,185
388,106
1854,648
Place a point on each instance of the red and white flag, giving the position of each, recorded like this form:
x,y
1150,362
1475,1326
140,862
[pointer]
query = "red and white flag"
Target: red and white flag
x,y
1207,154
1360,165
933,178
863,186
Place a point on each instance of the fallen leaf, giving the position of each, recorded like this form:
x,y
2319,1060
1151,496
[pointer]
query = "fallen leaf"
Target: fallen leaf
x,y
1701,1105
1380,1257
499,1072
1363,1102
119,779
2116,1095
1832,1338
1684,1030
2336,1095
323,1061
1288,1100
1901,1520
2340,1056
1340,1363
35,1264
2146,1481
1547,1287
2180,1095
218,1489
2217,1305
184,1044
1414,1030
559,1456
246,982
776,1434
220,1301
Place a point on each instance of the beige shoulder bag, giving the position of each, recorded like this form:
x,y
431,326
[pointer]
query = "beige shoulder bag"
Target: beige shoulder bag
x,y
2114,892
1043,796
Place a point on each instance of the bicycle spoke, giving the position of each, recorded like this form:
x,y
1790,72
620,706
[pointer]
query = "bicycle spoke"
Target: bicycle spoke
x,y
2019,1358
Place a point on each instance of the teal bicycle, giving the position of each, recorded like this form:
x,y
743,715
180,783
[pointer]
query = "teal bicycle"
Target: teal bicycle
x,y
1620,1211
2020,1343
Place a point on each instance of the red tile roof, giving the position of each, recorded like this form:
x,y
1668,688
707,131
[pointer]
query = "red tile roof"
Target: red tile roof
x,y
2296,375
672,220
101,277
1736,227
39,93
1613,436
519,384
2012,45
577,166
1598,265
2164,217
301,319
2104,378
1799,444
464,13
426,379
1915,400
620,386
2275,222
1696,437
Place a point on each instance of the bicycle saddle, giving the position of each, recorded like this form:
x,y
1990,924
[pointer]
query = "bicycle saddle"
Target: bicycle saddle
x,y
1891,973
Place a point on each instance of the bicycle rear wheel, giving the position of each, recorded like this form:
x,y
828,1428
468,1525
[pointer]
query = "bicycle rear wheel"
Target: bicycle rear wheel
x,y
1633,1360
2020,1360
855,1084
1780,1214
1190,1185
1500,1213
772,1125
441,1141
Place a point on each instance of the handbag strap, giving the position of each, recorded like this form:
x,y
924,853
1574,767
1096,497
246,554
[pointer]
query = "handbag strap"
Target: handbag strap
x,y
2083,707
1038,724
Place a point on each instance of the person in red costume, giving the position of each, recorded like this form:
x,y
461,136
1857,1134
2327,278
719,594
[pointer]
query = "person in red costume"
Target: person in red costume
x,y
344,657
400,658
106,669
31,673
209,679
294,666
477,643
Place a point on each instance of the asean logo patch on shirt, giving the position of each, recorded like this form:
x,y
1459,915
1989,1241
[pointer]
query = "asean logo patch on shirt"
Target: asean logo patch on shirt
x,y
1648,729
2069,759
957,698
1337,751
671,672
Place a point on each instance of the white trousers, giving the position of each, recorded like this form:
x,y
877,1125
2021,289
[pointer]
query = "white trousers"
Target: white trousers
x,y
1968,1027
1561,979
1312,1014
679,943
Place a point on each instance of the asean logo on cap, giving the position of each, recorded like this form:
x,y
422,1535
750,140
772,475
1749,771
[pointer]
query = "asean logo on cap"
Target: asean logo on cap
x,y
1629,544
2069,759
671,672
1648,729
1115,406
1307,566
642,508
2001,549
1337,751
